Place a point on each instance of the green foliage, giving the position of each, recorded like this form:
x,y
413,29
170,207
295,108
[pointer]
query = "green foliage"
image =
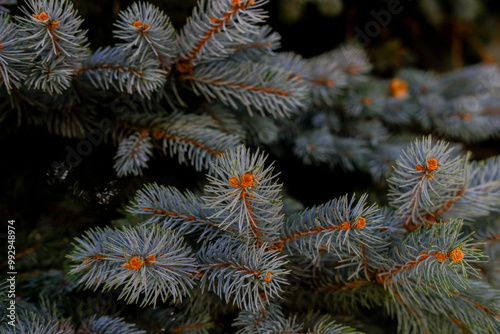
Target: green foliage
x,y
150,262
217,94
254,253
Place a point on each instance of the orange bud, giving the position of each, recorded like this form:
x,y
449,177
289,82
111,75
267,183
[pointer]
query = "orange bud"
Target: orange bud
x,y
43,16
398,88
134,263
233,180
247,180
345,226
440,256
457,255
361,222
432,164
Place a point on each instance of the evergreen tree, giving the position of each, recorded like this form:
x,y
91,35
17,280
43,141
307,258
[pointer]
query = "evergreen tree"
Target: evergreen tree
x,y
241,255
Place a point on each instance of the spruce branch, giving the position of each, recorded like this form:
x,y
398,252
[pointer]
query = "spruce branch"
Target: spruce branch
x,y
476,195
426,177
481,302
293,63
326,78
192,138
416,320
469,118
13,57
366,98
215,27
323,147
244,273
51,76
196,139
337,226
415,257
52,33
110,68
133,154
89,252
262,43
52,29
481,192
147,32
257,86
439,256
472,310
147,263
245,195
174,210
